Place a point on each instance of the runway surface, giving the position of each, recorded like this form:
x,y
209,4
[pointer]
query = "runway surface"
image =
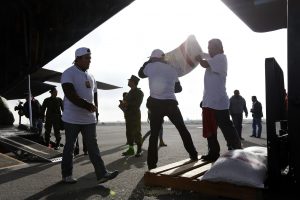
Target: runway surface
x,y
42,180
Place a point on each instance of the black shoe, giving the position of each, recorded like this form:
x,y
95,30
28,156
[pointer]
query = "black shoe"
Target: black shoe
x,y
139,154
210,158
151,167
194,158
85,153
76,152
108,176
242,138
162,144
57,147
252,136
257,136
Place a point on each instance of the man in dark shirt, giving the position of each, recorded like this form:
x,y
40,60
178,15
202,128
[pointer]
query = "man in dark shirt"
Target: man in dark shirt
x,y
54,106
236,108
257,114
37,123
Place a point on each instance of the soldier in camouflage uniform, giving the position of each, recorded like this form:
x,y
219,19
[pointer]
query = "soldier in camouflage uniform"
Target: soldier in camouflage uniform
x,y
132,112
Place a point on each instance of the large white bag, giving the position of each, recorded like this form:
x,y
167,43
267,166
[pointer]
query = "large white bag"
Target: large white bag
x,y
239,167
183,57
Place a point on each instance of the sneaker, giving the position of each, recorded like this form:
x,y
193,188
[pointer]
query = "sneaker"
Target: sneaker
x,y
129,152
108,176
210,158
69,179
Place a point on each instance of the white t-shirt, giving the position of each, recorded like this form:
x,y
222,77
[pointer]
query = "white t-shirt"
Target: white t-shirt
x,y
215,95
162,79
72,113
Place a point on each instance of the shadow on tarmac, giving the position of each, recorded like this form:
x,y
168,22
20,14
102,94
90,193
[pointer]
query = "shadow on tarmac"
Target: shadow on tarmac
x,y
79,191
27,171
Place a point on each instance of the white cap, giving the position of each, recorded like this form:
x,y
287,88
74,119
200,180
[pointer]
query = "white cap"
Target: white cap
x,y
82,51
157,53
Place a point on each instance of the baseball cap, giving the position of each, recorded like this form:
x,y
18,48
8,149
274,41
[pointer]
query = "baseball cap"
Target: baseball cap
x,y
82,51
157,53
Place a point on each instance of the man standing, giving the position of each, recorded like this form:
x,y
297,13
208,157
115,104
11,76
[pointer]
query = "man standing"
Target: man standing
x,y
163,83
54,106
237,107
215,103
132,102
37,123
257,114
80,110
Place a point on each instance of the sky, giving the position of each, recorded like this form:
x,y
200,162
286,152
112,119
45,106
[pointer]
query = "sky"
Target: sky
x,y
123,43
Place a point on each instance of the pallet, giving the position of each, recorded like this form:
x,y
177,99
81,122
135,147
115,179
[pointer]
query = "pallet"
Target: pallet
x,y
186,175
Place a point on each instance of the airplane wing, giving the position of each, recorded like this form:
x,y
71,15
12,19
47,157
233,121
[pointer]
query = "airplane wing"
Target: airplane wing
x,y
18,92
54,76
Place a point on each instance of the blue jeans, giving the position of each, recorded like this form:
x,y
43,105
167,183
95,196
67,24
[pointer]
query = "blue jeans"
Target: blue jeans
x,y
256,122
89,135
237,120
38,124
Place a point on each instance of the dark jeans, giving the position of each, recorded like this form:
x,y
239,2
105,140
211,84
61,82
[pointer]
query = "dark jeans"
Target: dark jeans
x,y
229,132
89,134
55,122
84,148
237,120
256,122
169,108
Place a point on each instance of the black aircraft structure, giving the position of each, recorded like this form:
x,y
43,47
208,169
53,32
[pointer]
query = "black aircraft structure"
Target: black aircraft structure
x,y
34,32
283,143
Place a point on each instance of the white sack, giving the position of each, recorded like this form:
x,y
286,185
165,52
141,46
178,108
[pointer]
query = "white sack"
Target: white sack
x,y
183,57
239,167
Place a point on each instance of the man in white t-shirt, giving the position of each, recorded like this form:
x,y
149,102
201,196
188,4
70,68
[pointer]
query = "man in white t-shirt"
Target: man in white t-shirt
x,y
79,115
215,103
163,84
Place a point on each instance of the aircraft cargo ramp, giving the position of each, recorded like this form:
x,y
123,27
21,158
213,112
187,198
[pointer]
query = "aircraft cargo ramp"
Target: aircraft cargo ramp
x,y
21,147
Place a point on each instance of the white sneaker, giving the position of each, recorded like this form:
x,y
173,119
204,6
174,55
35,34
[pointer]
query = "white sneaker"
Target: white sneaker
x,y
69,179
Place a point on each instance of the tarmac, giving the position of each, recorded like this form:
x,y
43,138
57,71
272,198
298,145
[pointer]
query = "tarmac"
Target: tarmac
x,y
42,180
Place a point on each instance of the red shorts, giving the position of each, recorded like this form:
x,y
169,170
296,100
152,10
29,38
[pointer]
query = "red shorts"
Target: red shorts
x,y
209,122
